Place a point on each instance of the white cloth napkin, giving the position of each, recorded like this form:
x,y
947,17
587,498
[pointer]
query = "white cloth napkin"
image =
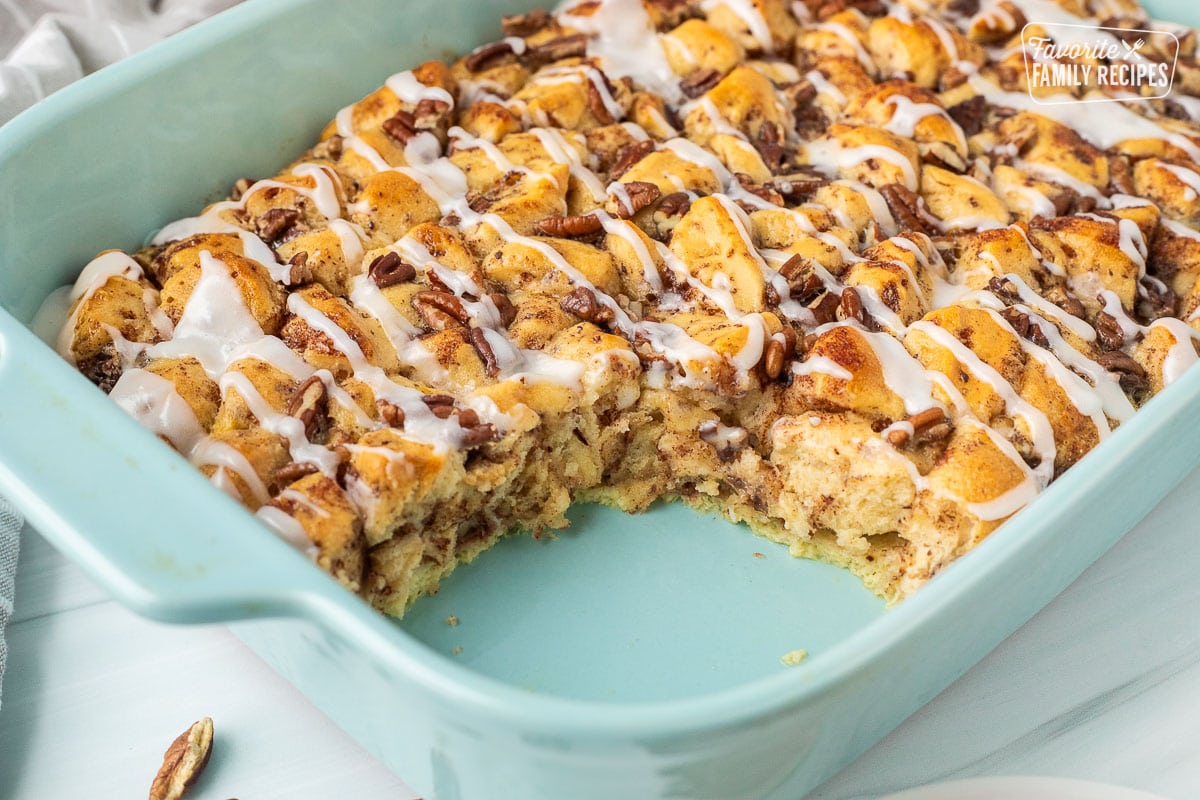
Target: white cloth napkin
x,y
44,45
47,44
10,538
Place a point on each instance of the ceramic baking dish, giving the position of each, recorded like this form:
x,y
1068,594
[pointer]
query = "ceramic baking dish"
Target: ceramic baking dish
x,y
631,657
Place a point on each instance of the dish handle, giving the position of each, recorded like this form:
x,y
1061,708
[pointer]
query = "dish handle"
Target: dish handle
x,y
185,553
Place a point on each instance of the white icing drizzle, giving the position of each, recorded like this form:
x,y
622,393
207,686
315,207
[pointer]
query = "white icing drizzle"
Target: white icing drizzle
x,y
748,12
849,37
1182,354
823,86
287,528
622,36
1188,177
1105,124
411,91
228,459
829,153
112,264
153,401
906,115
215,320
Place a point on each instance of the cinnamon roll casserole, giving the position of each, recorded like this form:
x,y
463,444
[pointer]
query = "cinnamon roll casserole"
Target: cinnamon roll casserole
x,y
823,267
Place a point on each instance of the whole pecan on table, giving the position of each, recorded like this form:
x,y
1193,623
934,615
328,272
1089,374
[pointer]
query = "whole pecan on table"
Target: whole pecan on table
x,y
183,762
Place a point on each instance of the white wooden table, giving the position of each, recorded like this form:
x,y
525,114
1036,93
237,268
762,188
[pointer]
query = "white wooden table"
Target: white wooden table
x,y
1104,684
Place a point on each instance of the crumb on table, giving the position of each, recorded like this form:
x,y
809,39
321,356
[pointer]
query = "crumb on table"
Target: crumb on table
x,y
794,657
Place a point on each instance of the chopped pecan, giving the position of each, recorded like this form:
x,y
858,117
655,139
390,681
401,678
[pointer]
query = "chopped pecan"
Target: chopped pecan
x,y
486,354
508,312
391,414
440,310
402,126
1109,332
487,55
669,211
310,404
638,193
825,310
390,269
930,425
769,144
726,440
1128,371
766,193
810,121
596,104
468,417
629,155
850,306
1120,176
797,185
1024,326
183,762
1003,288
299,272
568,227
582,302
479,434
275,223
525,24
969,114
441,405
571,46
964,8
1059,297
290,473
909,209
699,82
1155,299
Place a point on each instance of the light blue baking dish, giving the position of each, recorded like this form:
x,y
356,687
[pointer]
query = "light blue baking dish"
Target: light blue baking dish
x,y
631,657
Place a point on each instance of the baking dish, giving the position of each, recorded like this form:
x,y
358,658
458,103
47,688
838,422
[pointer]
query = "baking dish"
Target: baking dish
x,y
632,657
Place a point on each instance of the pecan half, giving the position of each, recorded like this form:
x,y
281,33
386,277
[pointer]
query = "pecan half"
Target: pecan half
x,y
391,414
1128,371
486,354
1109,332
525,24
572,46
310,404
582,302
569,227
476,435
969,114
909,209
629,155
810,121
440,310
1059,297
699,82
777,352
290,473
596,104
766,193
183,762
638,193
508,312
299,272
402,126
797,185
487,55
769,144
850,306
442,405
390,269
275,223
1024,326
